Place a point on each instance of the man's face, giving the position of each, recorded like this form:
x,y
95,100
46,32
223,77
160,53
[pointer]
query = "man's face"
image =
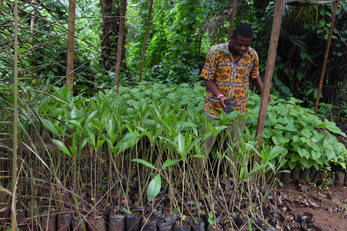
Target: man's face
x,y
240,45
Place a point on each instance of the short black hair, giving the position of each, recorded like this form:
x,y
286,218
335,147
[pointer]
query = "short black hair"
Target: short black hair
x,y
243,30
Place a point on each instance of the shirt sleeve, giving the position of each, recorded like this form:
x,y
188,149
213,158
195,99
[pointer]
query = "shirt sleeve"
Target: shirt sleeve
x,y
255,68
210,67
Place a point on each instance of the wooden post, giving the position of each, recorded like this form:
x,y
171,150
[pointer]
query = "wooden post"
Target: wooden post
x,y
120,46
270,64
146,37
71,43
32,17
232,18
325,61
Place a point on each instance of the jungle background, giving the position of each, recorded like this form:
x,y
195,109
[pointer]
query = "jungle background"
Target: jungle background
x,y
76,146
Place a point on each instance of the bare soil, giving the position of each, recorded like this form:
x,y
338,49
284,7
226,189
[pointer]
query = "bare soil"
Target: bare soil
x,y
329,207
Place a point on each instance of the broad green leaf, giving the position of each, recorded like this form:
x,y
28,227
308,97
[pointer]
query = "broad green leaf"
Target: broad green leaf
x,y
330,154
279,126
315,155
305,132
332,127
294,157
293,164
328,146
144,163
170,162
304,162
50,126
154,187
303,153
276,150
62,147
290,127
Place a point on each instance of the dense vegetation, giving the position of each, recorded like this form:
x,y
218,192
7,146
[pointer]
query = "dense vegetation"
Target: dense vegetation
x,y
145,146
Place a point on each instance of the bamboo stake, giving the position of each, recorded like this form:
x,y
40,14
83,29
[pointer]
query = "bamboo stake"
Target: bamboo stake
x,y
120,46
270,64
232,18
15,120
71,43
325,61
146,38
32,17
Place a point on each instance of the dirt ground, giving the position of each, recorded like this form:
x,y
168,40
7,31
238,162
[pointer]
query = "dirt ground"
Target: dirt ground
x,y
329,207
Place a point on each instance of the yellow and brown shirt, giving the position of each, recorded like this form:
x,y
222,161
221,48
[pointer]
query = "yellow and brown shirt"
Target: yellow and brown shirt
x,y
231,77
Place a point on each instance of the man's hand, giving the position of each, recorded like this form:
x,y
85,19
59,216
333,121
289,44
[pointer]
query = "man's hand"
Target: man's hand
x,y
221,101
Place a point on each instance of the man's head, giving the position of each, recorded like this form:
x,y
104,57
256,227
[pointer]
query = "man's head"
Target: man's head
x,y
241,39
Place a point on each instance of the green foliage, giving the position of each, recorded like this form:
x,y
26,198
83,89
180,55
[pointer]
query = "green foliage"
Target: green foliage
x,y
306,138
123,120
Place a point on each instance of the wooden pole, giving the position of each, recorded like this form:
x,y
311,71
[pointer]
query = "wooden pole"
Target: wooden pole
x,y
71,43
15,120
270,64
120,46
146,38
232,18
32,17
325,61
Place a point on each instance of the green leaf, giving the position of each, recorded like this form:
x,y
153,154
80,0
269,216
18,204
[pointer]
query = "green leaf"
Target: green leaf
x,y
304,162
62,147
330,154
92,138
303,153
255,169
315,155
279,126
199,156
211,221
144,163
332,127
305,132
154,187
170,162
50,126
180,144
290,127
276,150
75,123
90,116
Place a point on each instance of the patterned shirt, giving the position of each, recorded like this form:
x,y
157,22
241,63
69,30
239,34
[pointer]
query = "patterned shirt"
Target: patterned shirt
x,y
232,78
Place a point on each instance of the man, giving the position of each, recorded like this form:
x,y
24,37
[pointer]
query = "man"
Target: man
x,y
227,71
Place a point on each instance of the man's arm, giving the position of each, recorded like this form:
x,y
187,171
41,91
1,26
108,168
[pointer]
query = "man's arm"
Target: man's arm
x,y
212,87
260,86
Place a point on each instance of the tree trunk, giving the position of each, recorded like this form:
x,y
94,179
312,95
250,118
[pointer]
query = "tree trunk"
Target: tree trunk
x,y
120,43
327,49
109,32
232,18
270,65
146,37
71,43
